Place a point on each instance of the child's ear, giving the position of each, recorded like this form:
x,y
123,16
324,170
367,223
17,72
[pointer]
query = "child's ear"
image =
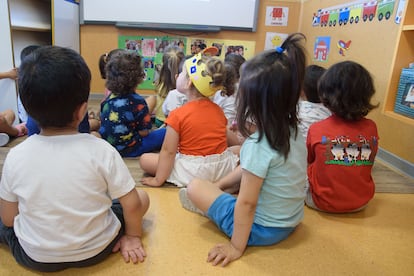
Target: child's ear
x,y
81,111
190,84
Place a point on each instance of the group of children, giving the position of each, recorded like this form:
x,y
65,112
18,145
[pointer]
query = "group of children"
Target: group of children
x,y
254,191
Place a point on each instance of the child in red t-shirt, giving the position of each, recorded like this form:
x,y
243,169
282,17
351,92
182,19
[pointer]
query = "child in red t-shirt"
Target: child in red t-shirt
x,y
342,148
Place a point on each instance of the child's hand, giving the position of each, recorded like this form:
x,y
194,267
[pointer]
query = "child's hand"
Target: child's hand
x,y
150,181
131,249
224,253
11,74
233,126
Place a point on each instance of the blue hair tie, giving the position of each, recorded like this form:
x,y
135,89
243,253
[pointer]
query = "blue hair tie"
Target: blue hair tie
x,y
279,49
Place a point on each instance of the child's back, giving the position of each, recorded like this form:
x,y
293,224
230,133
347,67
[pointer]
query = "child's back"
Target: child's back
x,y
342,148
63,207
125,119
195,144
202,127
272,173
171,60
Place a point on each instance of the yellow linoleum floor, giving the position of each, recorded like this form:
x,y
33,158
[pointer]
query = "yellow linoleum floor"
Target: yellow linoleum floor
x,y
376,241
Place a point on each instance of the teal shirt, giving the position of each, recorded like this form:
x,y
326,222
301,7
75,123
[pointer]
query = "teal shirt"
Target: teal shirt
x,y
281,199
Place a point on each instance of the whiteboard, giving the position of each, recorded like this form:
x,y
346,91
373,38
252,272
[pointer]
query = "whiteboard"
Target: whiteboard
x,y
227,14
66,24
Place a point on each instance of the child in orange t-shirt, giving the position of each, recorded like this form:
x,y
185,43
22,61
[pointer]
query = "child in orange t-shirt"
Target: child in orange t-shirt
x,y
195,143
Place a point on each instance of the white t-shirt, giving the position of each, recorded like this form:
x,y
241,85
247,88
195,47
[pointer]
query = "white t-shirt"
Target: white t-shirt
x,y
64,186
173,100
227,104
309,113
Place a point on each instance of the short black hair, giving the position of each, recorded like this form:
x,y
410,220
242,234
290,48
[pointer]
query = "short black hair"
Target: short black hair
x,y
28,50
310,83
346,89
124,72
53,82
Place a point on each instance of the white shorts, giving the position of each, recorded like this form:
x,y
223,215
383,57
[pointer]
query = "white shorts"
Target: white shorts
x,y
211,167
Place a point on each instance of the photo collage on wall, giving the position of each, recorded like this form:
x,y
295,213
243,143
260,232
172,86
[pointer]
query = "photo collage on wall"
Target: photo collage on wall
x,y
151,49
238,47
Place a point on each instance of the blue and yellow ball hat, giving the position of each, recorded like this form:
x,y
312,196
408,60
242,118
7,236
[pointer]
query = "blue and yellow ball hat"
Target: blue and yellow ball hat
x,y
199,76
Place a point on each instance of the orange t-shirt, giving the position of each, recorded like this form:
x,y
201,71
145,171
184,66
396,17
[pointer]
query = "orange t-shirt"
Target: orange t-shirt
x,y
201,126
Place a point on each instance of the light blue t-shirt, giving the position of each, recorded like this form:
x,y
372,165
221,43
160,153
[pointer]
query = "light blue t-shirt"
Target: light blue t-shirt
x,y
281,199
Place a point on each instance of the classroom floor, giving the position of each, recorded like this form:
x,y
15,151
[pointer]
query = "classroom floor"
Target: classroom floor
x,y
376,241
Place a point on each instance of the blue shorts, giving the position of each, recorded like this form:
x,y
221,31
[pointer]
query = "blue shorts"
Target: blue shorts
x,y
150,143
221,212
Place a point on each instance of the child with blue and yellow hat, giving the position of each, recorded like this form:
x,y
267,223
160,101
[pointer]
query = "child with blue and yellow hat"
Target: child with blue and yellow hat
x,y
195,144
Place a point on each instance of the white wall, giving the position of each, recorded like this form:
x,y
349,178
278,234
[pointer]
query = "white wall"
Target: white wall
x,y
8,94
228,13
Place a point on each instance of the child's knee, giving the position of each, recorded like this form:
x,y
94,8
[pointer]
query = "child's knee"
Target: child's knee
x,y
194,187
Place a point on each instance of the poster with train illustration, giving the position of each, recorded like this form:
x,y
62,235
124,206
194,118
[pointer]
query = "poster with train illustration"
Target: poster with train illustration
x,y
355,12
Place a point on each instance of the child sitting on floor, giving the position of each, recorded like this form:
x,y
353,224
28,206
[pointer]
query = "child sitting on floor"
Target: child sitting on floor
x,y
272,173
7,117
310,108
195,144
57,188
171,61
342,148
125,119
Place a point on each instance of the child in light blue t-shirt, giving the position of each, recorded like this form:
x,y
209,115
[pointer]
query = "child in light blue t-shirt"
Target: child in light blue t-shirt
x,y
270,180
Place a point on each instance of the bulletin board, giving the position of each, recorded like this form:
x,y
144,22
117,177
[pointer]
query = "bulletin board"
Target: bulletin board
x,y
151,49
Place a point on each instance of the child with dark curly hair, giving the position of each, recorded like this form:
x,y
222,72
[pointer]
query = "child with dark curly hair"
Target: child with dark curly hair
x,y
342,148
125,119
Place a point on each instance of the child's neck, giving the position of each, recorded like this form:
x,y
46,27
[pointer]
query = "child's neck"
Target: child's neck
x,y
54,131
195,96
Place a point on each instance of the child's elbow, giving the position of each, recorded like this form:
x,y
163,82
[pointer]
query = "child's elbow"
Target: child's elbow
x,y
249,205
7,221
143,133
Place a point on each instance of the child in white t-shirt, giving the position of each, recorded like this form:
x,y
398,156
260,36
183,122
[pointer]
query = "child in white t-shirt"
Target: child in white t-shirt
x,y
76,203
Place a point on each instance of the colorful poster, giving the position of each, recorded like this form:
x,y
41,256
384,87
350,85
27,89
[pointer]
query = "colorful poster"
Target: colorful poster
x,y
274,39
321,48
151,49
276,16
355,12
